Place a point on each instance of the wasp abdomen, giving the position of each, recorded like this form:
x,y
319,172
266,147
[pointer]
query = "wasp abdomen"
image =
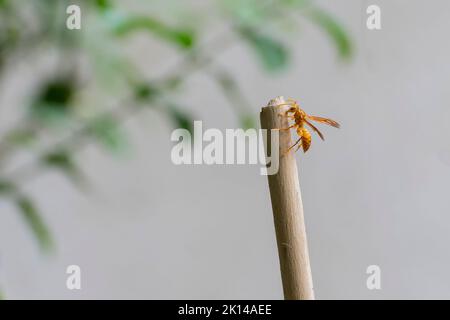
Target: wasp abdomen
x,y
306,139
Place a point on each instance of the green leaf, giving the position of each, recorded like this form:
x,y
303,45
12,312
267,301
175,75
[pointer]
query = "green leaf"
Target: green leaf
x,y
58,92
22,137
248,121
334,30
272,53
63,161
103,4
180,118
145,92
6,187
107,131
35,223
54,99
4,3
246,12
182,38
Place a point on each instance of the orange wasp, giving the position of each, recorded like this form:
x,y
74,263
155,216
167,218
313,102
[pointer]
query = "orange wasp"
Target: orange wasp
x,y
301,118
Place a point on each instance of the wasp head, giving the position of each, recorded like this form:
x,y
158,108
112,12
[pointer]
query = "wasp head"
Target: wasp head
x,y
292,109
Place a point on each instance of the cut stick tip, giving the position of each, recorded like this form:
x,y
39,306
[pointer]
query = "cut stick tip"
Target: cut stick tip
x,y
274,102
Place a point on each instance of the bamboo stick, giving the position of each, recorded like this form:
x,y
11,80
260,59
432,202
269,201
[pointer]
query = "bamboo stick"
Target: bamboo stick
x,y
287,210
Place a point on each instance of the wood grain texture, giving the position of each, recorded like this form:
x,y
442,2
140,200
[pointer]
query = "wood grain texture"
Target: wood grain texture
x,y
287,210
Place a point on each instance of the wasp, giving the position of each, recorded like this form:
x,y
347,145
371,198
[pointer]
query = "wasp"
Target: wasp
x,y
301,118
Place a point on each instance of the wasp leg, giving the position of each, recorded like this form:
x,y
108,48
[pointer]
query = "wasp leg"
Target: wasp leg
x,y
284,104
285,114
283,129
287,151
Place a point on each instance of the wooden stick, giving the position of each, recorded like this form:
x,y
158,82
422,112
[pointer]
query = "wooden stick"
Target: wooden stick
x,y
287,210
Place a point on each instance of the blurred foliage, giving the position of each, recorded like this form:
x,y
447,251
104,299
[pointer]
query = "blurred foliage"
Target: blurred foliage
x,y
333,29
180,37
272,53
103,4
107,131
6,188
34,220
29,213
29,27
181,119
53,100
145,92
62,160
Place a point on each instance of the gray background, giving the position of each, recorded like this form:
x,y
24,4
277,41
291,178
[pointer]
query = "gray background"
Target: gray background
x,y
376,192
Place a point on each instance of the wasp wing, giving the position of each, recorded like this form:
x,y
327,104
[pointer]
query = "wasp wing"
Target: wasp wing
x,y
325,120
315,129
